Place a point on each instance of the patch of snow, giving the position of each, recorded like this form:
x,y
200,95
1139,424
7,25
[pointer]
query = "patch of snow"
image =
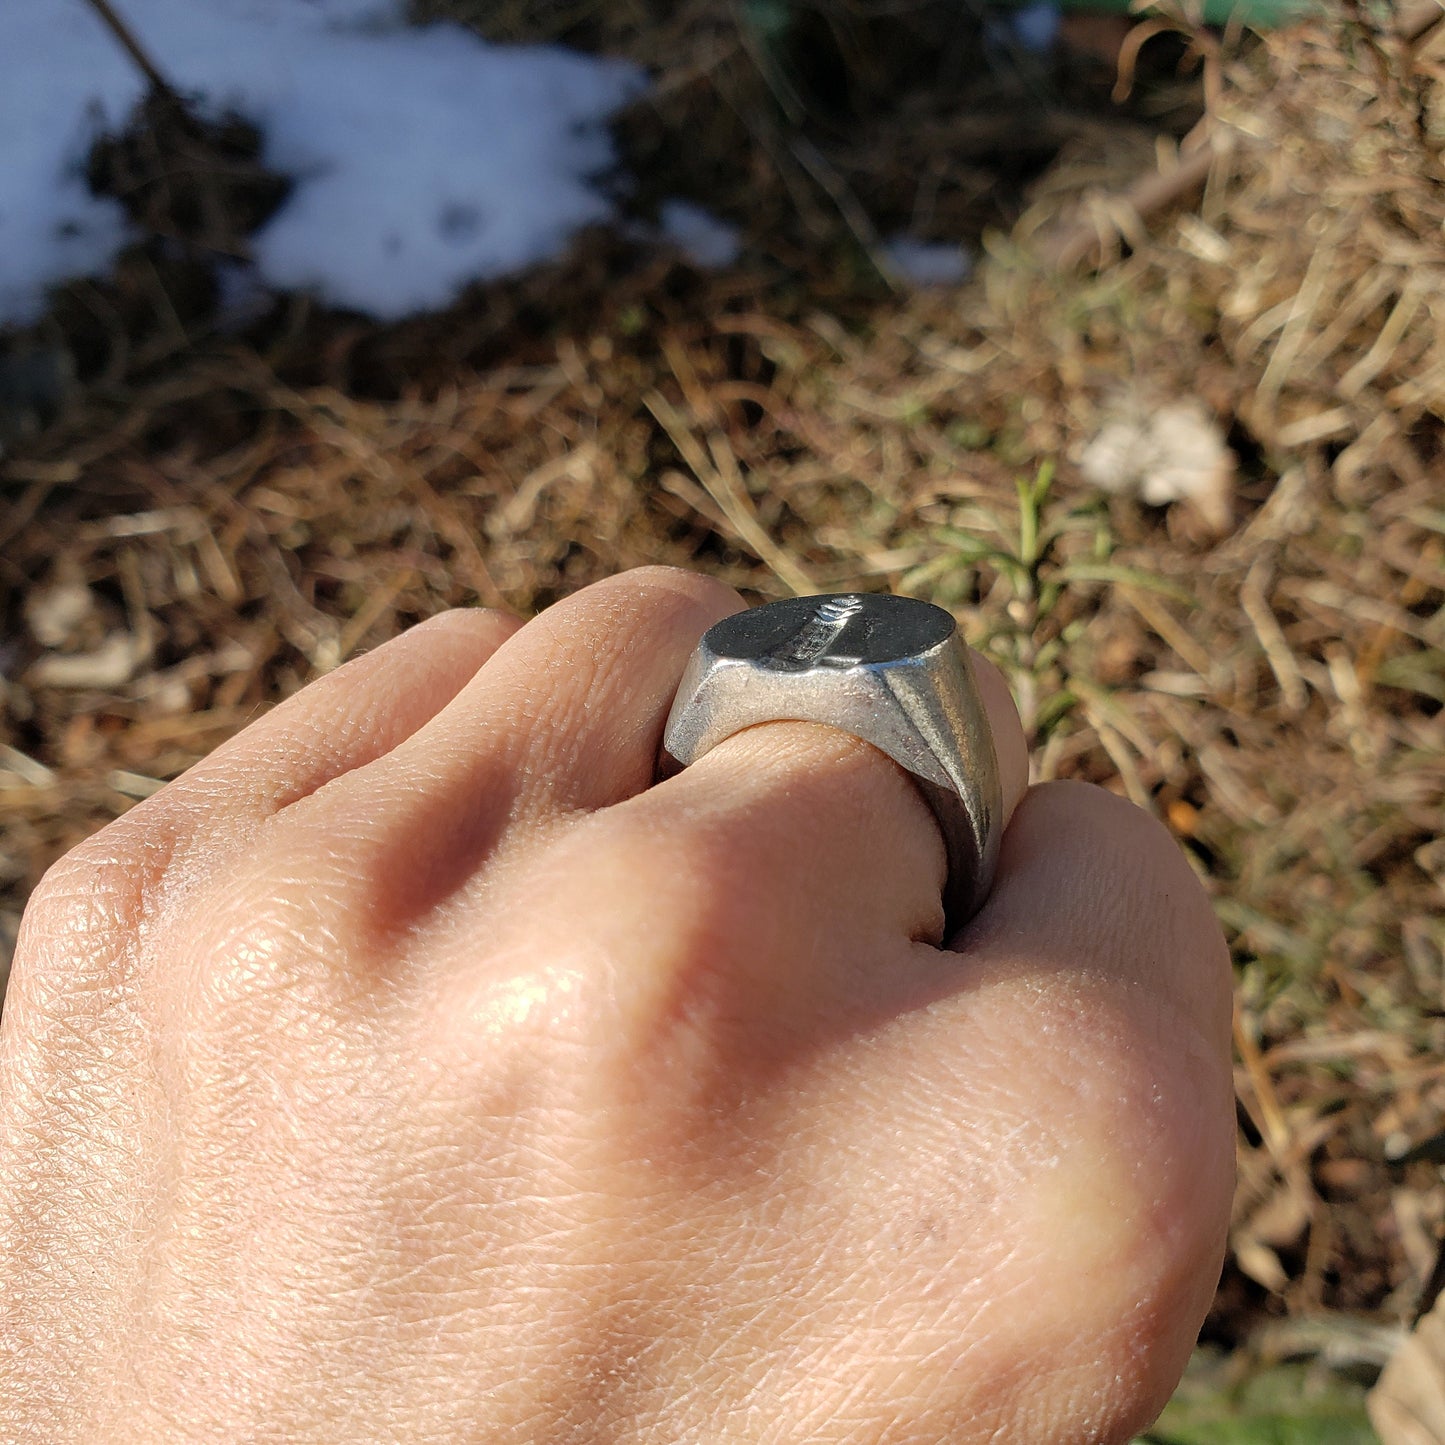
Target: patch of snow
x,y
698,234
61,81
1036,25
241,296
927,263
424,158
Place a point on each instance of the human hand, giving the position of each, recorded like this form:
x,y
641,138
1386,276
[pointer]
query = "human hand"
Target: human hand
x,y
414,1069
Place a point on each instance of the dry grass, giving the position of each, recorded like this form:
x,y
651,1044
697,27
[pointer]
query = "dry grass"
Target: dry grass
x,y
217,522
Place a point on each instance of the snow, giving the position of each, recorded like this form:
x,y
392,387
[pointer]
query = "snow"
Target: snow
x,y
698,234
50,225
927,263
424,158
1036,25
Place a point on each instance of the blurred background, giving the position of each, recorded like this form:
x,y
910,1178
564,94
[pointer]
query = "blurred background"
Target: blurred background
x,y
1120,334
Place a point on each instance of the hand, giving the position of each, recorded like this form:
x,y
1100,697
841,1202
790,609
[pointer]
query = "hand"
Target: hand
x,y
413,1069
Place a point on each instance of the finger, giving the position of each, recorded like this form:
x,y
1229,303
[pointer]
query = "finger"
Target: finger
x,y
1026,1150
1013,1163
567,717
1081,1049
793,799
335,725
338,723
791,868
346,719
570,717
569,720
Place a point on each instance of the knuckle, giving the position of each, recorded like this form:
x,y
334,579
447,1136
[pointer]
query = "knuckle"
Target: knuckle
x,y
534,1022
258,942
672,946
462,629
1124,1196
1132,841
608,950
102,914
80,948
104,890
518,1043
678,582
281,938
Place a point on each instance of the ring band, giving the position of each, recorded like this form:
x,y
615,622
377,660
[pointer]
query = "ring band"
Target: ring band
x,y
889,670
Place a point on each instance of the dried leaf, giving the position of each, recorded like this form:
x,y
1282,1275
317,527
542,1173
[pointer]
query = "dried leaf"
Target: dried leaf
x,y
1260,1263
56,614
1407,1407
111,665
1163,453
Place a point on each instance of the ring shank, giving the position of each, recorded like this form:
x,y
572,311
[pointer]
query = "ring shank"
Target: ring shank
x,y
923,711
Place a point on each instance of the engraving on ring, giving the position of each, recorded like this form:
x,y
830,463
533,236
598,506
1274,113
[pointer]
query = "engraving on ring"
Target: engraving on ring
x,y
813,642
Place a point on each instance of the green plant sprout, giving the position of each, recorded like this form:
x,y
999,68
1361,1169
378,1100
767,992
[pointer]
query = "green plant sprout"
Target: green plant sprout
x,y
1049,551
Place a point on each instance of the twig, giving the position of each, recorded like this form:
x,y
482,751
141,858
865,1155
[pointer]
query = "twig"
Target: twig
x,y
1145,198
716,469
814,164
1416,22
1155,192
817,165
132,47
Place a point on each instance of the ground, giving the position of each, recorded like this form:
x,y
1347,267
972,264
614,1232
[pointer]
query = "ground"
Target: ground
x,y
195,521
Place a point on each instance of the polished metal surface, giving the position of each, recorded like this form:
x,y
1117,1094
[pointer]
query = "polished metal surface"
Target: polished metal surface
x,y
889,670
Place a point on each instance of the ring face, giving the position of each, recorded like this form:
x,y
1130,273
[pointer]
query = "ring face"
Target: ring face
x,y
889,670
846,630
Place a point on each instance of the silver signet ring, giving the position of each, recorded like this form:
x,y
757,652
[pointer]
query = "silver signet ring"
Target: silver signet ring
x,y
890,670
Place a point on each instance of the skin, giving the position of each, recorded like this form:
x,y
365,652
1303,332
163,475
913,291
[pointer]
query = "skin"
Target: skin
x,y
414,1069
